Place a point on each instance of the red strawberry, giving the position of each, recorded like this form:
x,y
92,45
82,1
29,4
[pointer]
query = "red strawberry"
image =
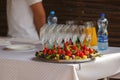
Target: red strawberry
x,y
44,51
49,51
54,51
91,50
80,52
74,48
59,51
81,55
68,53
84,52
85,48
63,52
65,45
77,53
45,48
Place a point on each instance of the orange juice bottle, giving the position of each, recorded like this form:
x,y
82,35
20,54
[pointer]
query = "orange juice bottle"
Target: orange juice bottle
x,y
90,34
94,37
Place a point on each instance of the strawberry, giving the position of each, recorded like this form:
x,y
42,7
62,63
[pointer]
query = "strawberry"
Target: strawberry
x,y
54,51
63,52
81,54
84,52
59,51
77,53
49,51
91,50
45,48
68,53
44,51
85,48
74,47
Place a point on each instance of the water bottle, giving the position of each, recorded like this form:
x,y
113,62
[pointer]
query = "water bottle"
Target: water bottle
x,y
102,33
52,18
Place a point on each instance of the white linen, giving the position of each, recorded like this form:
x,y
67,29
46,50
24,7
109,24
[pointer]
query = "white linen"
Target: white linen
x,y
116,76
102,67
23,66
33,71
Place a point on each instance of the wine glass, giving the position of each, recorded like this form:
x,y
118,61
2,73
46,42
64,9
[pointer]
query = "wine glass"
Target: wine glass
x,y
70,22
43,35
59,36
82,34
63,33
75,33
51,39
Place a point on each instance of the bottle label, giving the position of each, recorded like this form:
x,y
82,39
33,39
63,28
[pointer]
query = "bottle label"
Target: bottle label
x,y
54,20
102,38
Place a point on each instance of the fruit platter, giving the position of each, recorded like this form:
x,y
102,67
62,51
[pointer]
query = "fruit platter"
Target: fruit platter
x,y
69,53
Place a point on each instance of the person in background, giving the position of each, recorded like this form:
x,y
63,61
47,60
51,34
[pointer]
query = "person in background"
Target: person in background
x,y
25,18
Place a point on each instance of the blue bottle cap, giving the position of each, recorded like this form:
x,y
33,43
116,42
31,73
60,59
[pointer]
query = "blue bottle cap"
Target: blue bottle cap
x,y
52,12
102,15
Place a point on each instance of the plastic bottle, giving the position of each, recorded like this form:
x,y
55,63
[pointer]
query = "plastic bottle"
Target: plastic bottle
x,y
52,18
102,33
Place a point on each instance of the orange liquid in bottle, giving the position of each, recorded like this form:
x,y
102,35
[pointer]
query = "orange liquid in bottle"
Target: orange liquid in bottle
x,y
92,32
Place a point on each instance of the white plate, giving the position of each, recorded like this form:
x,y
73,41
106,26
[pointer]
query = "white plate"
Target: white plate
x,y
20,47
4,42
23,40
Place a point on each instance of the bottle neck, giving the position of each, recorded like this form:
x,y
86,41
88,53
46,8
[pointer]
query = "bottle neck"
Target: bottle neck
x,y
52,14
102,17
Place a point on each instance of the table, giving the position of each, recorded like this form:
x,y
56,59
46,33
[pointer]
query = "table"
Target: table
x,y
22,65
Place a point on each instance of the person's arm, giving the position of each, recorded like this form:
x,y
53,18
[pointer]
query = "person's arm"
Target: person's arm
x,y
39,16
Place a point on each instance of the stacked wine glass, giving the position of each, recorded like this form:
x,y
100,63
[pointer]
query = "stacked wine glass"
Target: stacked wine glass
x,y
56,35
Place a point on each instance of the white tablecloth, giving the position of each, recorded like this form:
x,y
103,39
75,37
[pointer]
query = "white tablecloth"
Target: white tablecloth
x,y
21,65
